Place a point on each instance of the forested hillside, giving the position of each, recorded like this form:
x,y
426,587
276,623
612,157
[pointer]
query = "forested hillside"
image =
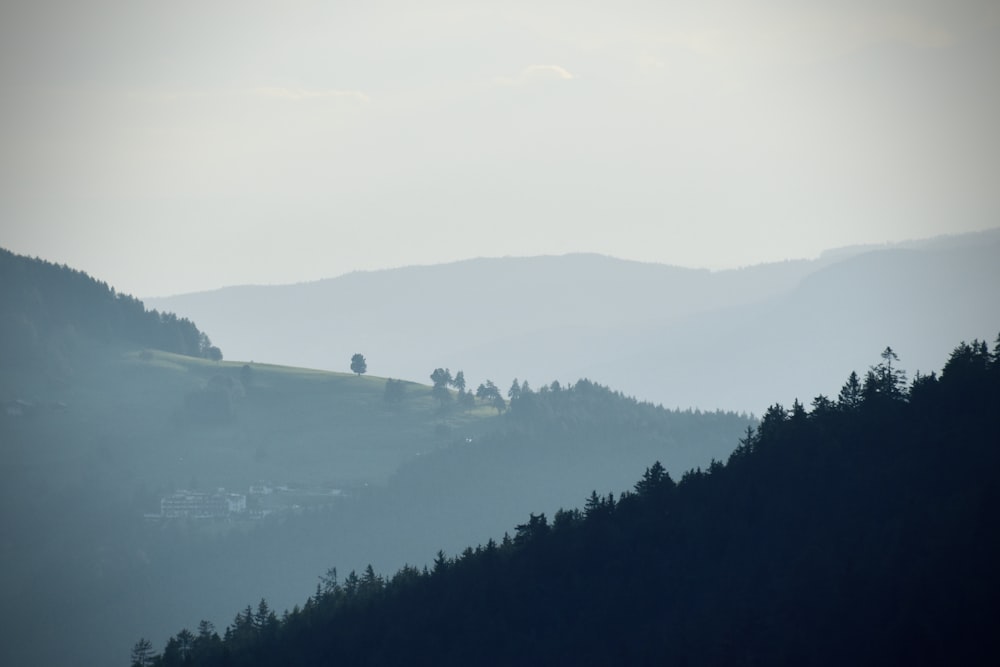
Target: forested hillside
x,y
550,446
100,432
860,531
46,309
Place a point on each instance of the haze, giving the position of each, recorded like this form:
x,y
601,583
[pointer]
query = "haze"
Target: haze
x,y
174,147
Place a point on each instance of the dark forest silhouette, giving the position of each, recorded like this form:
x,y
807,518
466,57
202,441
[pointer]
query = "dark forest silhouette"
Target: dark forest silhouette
x,y
46,309
862,531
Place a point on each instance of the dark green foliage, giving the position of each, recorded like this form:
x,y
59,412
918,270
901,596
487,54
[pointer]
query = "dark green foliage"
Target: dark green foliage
x,y
142,653
885,381
45,308
514,392
489,393
441,377
850,396
207,350
822,405
466,399
656,479
358,364
865,535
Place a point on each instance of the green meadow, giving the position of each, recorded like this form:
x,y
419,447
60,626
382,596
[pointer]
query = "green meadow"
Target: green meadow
x,y
145,422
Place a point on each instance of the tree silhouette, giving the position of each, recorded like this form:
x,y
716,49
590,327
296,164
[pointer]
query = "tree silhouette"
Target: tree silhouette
x,y
358,364
514,392
441,377
883,380
142,653
850,396
490,393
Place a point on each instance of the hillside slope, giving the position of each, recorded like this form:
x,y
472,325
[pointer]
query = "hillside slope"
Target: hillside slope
x,y
86,456
116,429
46,310
862,532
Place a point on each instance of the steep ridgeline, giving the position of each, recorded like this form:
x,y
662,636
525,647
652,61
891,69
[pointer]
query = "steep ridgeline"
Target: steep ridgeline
x,y
46,309
862,531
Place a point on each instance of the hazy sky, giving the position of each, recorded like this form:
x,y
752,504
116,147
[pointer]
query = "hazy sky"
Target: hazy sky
x,y
175,146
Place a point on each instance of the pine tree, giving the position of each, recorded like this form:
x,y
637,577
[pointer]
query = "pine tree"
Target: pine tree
x,y
885,380
142,653
655,478
850,396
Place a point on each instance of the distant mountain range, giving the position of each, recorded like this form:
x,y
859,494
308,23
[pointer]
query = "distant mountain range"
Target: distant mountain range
x,y
676,336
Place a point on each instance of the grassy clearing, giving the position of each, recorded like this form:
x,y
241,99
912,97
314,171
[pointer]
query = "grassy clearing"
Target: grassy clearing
x,y
125,417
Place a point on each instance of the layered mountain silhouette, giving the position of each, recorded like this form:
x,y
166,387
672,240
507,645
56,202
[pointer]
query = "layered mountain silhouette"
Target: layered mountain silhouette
x,y
116,452
661,333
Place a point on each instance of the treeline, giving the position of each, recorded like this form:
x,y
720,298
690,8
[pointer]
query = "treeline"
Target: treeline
x,y
45,306
549,444
601,411
862,531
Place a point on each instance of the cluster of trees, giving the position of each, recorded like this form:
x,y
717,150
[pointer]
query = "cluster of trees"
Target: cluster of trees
x,y
859,532
45,307
487,392
443,382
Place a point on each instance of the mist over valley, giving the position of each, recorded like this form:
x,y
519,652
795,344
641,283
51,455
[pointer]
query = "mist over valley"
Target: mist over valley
x,y
154,480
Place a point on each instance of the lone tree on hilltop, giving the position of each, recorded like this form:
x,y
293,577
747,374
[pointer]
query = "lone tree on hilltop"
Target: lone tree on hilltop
x,y
358,364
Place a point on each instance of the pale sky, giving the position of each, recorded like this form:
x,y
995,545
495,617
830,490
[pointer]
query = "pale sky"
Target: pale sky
x,y
169,147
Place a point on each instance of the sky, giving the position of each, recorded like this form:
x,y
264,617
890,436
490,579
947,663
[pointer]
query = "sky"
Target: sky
x,y
170,147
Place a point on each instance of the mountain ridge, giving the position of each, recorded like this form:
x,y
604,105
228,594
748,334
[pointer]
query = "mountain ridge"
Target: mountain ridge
x,y
585,315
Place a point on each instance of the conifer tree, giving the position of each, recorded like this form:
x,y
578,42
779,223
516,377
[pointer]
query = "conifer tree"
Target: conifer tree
x,y
850,396
142,653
